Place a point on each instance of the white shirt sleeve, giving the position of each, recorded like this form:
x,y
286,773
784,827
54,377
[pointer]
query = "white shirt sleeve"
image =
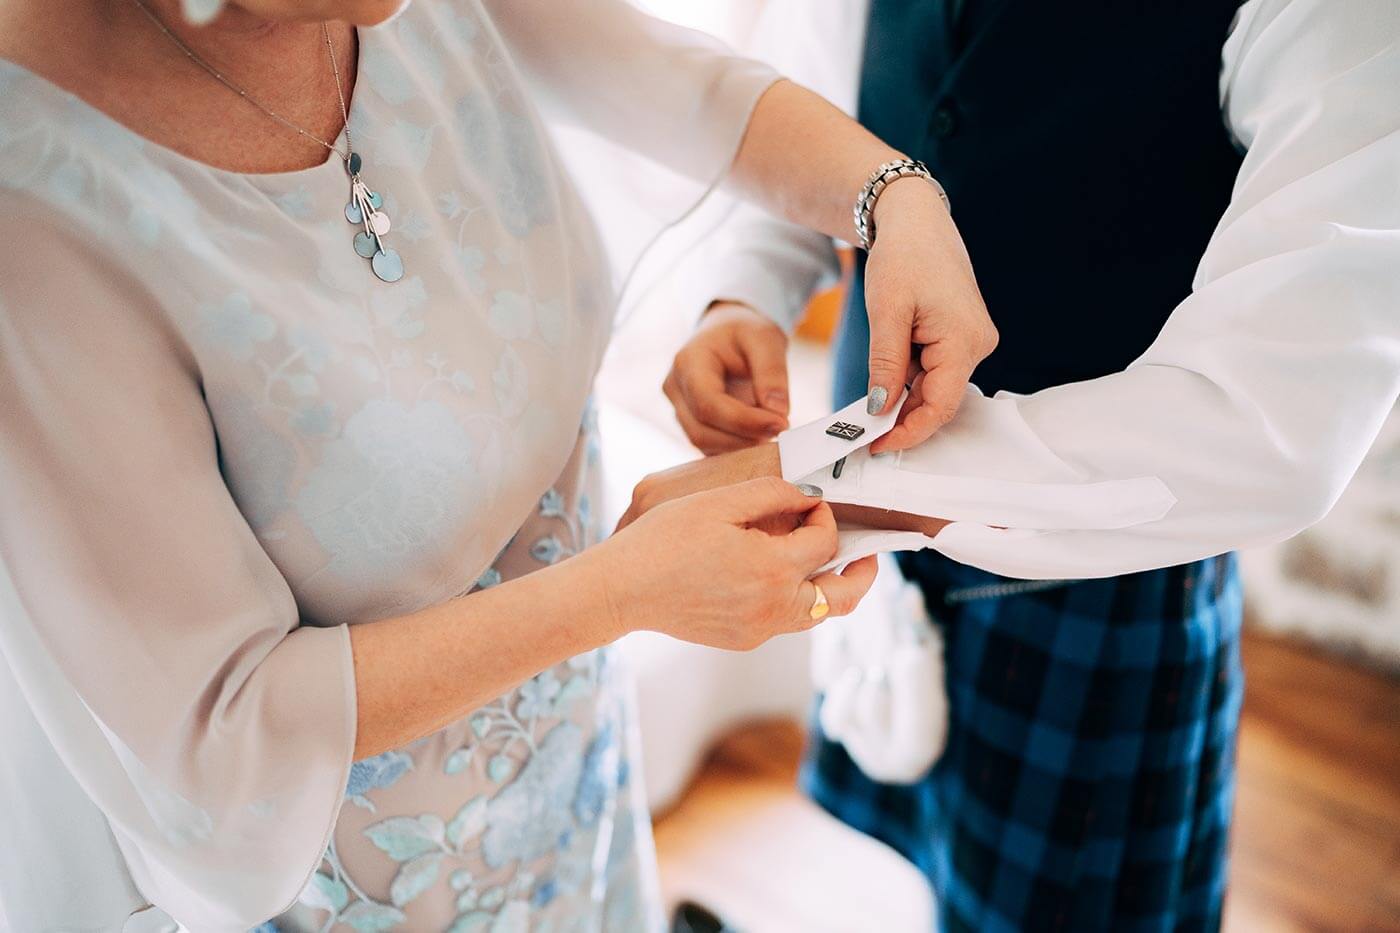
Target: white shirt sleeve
x,y
759,259
1247,417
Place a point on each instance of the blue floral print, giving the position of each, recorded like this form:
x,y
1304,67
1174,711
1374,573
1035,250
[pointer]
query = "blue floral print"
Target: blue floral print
x,y
373,773
235,327
523,844
390,482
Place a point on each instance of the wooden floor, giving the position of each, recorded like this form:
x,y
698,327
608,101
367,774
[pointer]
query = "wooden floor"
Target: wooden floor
x,y
1316,841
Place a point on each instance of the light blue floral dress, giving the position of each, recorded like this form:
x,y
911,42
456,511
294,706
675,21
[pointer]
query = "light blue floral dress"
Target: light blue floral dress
x,y
225,439
538,822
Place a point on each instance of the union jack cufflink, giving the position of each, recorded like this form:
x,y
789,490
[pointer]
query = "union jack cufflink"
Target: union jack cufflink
x,y
848,432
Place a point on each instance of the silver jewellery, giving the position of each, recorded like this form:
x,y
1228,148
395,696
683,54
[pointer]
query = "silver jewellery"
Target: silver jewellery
x,y
880,179
364,206
844,431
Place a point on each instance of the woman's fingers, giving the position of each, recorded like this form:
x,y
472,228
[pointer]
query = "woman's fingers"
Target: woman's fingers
x,y
757,499
813,543
934,398
947,372
915,427
843,590
890,326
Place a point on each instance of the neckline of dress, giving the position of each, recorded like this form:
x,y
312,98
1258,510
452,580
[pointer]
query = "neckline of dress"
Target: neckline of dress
x,y
353,110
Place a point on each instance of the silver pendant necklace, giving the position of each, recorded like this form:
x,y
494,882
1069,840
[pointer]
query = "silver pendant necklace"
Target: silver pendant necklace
x,y
365,207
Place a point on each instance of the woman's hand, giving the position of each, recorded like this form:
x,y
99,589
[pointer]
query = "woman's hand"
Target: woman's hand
x,y
920,289
702,568
920,292
699,568
729,382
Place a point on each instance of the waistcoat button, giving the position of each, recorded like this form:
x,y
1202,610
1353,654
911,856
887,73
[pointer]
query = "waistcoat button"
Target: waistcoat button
x,y
945,120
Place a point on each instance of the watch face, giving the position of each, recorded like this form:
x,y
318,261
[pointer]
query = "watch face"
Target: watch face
x,y
845,431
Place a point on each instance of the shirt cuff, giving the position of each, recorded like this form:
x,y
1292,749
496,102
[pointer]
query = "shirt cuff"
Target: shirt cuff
x,y
854,542
986,468
817,444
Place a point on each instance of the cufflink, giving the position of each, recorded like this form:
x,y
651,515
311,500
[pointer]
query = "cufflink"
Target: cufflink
x,y
848,432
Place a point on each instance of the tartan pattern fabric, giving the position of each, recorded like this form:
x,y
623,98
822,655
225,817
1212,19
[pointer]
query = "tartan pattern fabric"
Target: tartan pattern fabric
x,y
1088,778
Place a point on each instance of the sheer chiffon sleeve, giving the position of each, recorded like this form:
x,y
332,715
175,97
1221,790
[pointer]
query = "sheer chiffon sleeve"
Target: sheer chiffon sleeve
x,y
165,710
167,706
648,117
671,94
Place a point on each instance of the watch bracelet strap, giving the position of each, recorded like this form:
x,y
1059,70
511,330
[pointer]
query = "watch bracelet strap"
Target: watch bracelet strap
x,y
879,180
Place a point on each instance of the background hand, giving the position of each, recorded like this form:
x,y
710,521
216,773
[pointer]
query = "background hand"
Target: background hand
x,y
729,383
921,292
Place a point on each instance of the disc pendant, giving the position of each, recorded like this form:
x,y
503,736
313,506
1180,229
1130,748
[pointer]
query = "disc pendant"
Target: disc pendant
x,y
365,210
388,265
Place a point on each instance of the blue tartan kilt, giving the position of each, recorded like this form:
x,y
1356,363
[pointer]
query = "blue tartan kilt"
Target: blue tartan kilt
x,y
1089,773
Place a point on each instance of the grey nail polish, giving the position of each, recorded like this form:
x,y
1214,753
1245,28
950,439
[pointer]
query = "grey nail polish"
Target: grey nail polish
x,y
807,489
878,396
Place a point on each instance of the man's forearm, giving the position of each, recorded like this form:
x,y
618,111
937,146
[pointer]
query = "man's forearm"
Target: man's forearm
x,y
752,463
865,516
885,519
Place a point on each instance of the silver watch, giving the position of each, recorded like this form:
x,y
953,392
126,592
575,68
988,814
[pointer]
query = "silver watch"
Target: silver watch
x,y
880,179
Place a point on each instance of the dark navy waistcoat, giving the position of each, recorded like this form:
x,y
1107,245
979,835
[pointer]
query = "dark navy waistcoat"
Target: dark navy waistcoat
x,y
1083,148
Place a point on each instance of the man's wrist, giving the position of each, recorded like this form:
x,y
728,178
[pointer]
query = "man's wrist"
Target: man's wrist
x,y
887,519
765,460
728,308
728,303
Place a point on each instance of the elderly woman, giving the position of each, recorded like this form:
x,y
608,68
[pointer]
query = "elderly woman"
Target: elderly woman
x,y
298,323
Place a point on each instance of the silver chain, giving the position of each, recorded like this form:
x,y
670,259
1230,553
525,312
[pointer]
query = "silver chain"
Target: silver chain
x,y
193,56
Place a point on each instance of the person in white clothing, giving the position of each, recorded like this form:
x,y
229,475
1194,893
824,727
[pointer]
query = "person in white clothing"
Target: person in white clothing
x,y
1185,222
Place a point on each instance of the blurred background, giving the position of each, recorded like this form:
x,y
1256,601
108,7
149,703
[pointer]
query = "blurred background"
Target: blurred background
x,y
1316,844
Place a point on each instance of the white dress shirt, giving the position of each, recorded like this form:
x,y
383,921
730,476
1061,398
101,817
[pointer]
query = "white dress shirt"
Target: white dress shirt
x,y
1247,417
